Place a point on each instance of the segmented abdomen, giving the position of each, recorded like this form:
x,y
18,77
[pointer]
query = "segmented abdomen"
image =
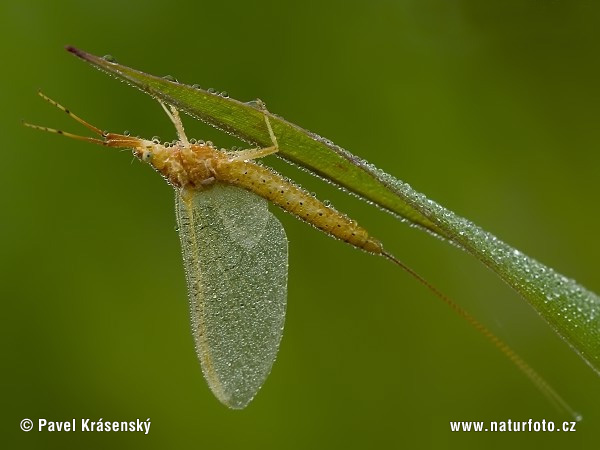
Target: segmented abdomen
x,y
295,200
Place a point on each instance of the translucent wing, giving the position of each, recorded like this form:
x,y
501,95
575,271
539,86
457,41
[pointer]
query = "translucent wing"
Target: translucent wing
x,y
235,257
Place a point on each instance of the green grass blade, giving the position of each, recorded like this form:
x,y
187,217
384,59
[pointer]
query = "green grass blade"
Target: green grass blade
x,y
571,310
246,121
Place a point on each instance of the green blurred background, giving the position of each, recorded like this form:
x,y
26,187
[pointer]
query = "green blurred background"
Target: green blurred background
x,y
490,108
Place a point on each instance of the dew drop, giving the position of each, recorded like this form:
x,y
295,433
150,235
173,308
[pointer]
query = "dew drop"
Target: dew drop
x,y
211,90
196,86
126,133
155,140
170,78
224,94
192,141
109,58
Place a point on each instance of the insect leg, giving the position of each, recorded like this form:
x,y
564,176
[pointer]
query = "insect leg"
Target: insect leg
x,y
64,133
110,139
174,116
268,122
70,114
73,116
255,153
252,153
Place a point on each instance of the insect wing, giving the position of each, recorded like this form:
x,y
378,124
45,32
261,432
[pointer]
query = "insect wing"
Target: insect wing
x,y
235,258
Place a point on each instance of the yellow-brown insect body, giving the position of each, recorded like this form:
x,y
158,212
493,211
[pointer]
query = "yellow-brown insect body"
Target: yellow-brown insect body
x,y
183,166
196,166
187,165
295,200
190,167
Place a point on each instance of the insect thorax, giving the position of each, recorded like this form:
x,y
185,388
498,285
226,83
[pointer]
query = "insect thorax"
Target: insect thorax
x,y
186,166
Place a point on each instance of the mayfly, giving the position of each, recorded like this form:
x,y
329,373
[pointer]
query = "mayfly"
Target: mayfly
x,y
235,252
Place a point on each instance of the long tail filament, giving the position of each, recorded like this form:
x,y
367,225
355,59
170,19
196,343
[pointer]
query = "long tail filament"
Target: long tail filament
x,y
535,377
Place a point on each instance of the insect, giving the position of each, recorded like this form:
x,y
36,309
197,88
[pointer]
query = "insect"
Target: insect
x,y
235,252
